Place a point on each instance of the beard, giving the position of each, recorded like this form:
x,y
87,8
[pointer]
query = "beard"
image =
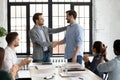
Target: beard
x,y
68,21
16,45
42,24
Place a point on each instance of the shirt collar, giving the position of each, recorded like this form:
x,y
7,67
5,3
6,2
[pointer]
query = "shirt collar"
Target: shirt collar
x,y
40,27
72,23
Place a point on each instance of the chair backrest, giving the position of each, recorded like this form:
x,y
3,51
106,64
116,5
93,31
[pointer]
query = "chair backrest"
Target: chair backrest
x,y
57,61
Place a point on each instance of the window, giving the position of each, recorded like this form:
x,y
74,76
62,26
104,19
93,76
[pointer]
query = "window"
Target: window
x,y
20,14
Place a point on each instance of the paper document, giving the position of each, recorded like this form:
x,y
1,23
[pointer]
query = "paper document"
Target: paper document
x,y
76,78
43,75
40,67
69,74
23,74
73,67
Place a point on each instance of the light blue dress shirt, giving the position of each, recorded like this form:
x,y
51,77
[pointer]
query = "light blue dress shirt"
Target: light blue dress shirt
x,y
43,37
112,67
74,37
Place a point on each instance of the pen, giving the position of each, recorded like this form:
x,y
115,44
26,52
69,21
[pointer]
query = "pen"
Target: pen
x,y
81,78
49,77
36,67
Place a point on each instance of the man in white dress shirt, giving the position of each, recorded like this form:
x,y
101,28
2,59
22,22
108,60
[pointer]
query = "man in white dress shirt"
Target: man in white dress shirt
x,y
11,57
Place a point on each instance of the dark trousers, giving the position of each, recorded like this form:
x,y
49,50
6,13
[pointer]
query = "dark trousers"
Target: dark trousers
x,y
79,59
46,57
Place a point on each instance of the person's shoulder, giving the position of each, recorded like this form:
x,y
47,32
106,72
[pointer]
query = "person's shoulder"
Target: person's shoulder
x,y
7,49
4,72
34,27
77,25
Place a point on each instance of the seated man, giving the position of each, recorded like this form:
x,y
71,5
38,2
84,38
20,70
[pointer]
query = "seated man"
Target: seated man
x,y
11,57
3,74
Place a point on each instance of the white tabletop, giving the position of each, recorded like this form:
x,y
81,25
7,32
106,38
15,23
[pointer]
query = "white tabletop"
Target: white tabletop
x,y
56,73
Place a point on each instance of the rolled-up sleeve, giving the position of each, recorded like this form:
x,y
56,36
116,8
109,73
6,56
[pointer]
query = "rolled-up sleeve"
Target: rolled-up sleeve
x,y
79,36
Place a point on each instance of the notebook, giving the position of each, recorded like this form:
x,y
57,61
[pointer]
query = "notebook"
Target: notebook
x,y
69,74
74,67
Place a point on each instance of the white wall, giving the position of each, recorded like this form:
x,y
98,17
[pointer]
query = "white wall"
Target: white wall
x,y
3,20
107,23
3,13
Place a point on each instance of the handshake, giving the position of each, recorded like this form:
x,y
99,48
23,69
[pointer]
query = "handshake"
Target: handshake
x,y
54,44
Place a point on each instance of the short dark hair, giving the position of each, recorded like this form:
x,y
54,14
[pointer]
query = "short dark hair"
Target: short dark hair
x,y
116,47
11,37
72,12
97,46
36,17
2,54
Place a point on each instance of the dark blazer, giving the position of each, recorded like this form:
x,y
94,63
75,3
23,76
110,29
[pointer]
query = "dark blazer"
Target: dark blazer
x,y
38,44
93,65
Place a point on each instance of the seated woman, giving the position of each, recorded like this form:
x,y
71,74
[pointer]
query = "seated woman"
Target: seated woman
x,y
99,53
112,67
3,74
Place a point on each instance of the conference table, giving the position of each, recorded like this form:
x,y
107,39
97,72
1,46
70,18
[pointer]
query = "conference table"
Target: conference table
x,y
39,71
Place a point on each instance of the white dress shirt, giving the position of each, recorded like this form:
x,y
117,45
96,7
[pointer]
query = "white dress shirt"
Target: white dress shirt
x,y
43,37
11,59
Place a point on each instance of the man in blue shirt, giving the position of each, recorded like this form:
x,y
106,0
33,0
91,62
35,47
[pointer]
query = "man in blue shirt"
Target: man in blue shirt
x,y
73,39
